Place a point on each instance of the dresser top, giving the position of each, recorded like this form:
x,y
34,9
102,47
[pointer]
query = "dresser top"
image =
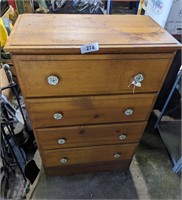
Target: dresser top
x,y
61,33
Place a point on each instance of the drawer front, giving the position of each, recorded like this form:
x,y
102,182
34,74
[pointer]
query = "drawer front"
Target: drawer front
x,y
80,136
50,76
87,155
89,110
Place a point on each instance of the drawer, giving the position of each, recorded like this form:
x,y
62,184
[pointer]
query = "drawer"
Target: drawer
x,y
87,155
80,136
42,76
51,112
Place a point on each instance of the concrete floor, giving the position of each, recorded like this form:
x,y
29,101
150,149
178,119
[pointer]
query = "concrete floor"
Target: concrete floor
x,y
149,177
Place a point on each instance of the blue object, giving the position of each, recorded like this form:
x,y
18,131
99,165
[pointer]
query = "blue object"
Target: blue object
x,y
177,165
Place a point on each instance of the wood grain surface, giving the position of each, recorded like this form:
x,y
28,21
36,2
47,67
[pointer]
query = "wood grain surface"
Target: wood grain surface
x,y
88,154
89,110
63,33
101,74
85,135
87,168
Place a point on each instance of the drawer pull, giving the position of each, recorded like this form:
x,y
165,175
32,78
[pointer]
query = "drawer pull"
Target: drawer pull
x,y
58,116
136,82
64,160
117,155
122,137
128,111
53,80
138,78
61,141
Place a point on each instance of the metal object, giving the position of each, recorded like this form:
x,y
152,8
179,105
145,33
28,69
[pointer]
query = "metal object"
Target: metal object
x,y
122,137
64,160
136,82
13,85
168,99
173,144
138,78
61,141
53,80
58,116
5,139
117,155
128,111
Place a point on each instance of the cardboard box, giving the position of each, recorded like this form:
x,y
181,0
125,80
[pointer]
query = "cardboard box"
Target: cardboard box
x,y
27,6
159,10
174,20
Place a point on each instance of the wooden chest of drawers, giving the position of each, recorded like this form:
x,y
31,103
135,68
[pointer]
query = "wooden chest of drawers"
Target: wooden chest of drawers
x,y
89,111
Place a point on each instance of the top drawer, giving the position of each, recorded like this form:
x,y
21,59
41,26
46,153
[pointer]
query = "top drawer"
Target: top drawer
x,y
63,75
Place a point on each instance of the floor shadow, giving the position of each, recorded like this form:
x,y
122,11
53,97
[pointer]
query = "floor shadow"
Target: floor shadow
x,y
106,185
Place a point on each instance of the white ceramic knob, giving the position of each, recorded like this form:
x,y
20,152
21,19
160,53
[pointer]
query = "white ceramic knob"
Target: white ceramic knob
x,y
61,141
58,116
53,80
117,155
139,78
64,160
122,137
128,111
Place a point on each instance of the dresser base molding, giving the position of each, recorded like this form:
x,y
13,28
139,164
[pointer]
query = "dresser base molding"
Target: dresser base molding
x,y
87,168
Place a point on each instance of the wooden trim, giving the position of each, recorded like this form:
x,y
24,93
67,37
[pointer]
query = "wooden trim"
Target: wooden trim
x,y
92,57
103,50
87,168
89,135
